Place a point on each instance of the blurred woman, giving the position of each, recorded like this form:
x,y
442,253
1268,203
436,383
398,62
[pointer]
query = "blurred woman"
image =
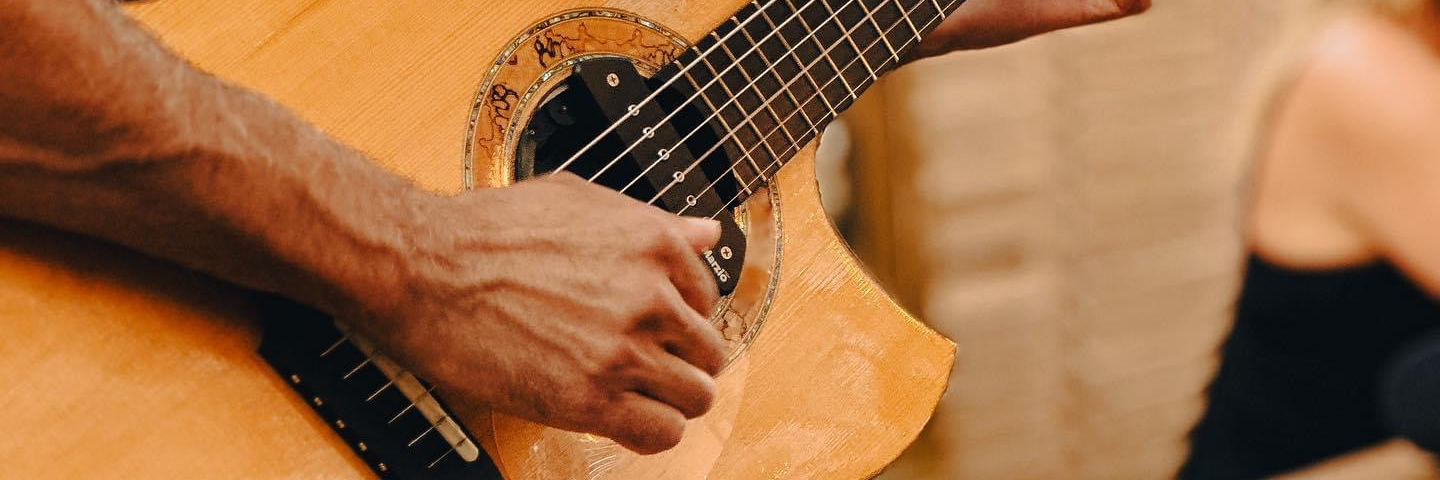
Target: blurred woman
x,y
1344,240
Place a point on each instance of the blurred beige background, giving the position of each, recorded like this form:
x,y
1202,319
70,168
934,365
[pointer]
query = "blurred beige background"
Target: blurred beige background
x,y
1067,210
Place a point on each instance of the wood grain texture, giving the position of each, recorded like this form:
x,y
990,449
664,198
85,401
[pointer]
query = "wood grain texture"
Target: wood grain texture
x,y
839,380
119,366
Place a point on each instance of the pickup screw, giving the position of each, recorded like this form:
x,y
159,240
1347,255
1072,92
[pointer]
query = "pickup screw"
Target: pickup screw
x,y
613,80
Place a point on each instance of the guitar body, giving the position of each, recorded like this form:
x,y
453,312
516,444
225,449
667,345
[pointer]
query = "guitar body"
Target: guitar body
x,y
121,366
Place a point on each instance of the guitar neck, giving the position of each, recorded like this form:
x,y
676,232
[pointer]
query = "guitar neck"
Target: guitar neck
x,y
778,71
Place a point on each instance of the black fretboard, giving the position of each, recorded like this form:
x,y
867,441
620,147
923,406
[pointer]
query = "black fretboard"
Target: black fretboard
x,y
779,71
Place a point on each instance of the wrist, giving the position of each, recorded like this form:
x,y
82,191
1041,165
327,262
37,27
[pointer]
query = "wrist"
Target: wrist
x,y
368,267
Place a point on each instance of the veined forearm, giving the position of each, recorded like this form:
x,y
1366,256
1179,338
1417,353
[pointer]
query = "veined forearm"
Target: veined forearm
x,y
104,132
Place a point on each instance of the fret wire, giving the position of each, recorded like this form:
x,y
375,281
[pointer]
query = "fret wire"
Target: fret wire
x,y
796,56
781,81
846,35
720,116
825,53
652,96
739,107
906,15
776,74
798,64
833,17
860,54
717,113
648,98
870,15
758,94
939,16
726,124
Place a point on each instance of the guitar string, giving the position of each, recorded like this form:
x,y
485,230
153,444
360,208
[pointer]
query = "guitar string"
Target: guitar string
x,y
869,47
662,156
649,98
781,122
635,109
795,146
679,177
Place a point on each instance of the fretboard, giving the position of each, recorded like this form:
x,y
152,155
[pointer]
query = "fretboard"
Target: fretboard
x,y
779,71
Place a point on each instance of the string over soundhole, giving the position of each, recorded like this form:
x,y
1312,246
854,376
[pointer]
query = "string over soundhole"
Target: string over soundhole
x,y
609,125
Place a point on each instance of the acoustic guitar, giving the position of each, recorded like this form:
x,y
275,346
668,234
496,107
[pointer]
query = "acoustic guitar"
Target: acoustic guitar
x,y
122,366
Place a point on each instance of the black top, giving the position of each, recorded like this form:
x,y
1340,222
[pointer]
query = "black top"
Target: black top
x,y
1299,372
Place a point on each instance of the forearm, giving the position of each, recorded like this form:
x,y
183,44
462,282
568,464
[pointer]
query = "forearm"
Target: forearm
x,y
104,132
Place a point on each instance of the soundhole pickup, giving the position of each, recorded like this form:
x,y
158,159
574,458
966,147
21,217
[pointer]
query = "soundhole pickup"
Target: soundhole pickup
x,y
608,124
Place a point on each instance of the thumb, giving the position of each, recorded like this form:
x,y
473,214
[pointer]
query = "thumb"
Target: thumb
x,y
700,233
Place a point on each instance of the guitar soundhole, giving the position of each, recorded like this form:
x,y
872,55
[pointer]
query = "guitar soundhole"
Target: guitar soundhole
x,y
538,107
639,136
570,117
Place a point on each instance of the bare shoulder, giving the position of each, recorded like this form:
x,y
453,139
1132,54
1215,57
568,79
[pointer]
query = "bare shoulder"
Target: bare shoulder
x,y
1351,145
1371,88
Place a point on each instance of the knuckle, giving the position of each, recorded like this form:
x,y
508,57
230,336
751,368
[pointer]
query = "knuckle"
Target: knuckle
x,y
645,306
591,407
654,300
712,358
616,360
